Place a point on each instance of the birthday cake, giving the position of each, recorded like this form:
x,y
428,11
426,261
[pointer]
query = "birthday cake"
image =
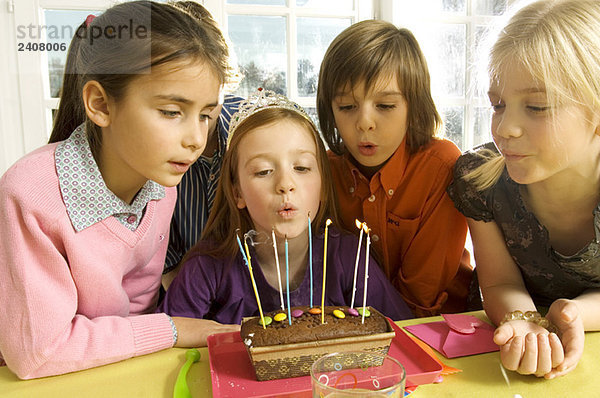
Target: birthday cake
x,y
280,350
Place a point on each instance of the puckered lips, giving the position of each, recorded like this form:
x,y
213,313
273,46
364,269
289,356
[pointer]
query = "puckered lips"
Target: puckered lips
x,y
513,156
367,148
287,210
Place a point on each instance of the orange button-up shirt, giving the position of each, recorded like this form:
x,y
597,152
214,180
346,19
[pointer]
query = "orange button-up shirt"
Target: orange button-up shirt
x,y
415,228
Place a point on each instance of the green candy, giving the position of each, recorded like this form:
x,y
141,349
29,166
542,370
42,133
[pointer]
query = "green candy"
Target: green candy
x,y
365,310
267,319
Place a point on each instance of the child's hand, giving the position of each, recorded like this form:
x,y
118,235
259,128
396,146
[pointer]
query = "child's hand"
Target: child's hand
x,y
192,332
528,348
564,314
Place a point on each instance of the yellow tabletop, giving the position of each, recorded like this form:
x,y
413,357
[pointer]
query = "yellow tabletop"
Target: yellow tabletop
x,y
154,376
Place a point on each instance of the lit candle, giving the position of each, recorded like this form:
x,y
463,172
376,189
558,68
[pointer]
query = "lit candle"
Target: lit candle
x,y
241,249
359,225
249,264
287,280
366,273
327,223
310,259
278,271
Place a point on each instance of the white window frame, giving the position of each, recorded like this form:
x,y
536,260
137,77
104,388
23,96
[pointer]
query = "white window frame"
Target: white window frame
x,y
393,11
26,106
362,9
32,66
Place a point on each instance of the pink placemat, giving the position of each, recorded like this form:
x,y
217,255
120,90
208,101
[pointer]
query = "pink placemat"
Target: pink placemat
x,y
233,375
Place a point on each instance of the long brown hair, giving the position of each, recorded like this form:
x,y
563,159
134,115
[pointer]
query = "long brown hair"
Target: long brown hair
x,y
226,219
364,52
172,35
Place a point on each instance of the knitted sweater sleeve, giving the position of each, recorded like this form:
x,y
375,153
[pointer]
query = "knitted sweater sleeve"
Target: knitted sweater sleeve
x,y
42,332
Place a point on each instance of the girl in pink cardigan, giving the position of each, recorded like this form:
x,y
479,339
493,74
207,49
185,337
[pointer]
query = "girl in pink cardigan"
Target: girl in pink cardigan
x,y
85,219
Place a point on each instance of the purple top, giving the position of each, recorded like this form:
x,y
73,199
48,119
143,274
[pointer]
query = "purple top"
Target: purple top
x,y
221,290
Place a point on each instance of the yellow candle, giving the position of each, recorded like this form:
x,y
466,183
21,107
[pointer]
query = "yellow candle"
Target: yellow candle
x,y
327,223
262,318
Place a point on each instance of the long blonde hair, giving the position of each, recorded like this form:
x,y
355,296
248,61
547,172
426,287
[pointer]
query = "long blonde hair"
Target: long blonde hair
x,y
558,43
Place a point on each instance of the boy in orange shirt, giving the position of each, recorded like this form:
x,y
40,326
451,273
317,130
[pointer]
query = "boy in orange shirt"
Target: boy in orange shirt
x,y
390,171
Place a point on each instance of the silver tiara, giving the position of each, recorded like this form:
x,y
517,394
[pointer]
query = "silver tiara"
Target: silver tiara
x,y
260,100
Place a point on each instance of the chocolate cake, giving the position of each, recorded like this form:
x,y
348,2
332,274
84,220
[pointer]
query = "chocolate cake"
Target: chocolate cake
x,y
282,350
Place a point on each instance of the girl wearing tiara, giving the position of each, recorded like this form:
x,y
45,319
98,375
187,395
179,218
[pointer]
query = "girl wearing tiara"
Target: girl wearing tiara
x,y
274,176
85,219
533,199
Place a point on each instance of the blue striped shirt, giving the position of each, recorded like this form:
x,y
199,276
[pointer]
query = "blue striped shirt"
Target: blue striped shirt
x,y
196,192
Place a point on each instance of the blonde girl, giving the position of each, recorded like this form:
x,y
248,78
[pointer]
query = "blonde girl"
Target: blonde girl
x,y
532,198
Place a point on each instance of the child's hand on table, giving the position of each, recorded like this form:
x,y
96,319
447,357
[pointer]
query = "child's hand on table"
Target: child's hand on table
x,y
528,348
564,314
193,332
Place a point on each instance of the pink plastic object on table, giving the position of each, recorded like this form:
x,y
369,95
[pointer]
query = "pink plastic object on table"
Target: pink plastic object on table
x,y
233,375
458,335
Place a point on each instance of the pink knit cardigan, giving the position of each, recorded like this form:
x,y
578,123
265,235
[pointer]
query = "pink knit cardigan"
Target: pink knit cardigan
x,y
71,301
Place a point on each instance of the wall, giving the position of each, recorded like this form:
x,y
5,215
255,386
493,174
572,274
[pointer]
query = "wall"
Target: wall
x,y
12,145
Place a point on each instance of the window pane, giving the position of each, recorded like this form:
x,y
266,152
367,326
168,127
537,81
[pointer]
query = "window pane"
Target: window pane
x,y
489,7
453,122
479,57
314,36
454,6
312,112
329,4
260,45
59,27
481,127
444,46
433,7
259,2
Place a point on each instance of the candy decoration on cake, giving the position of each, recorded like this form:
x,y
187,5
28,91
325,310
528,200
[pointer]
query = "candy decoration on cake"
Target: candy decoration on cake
x,y
282,351
249,265
278,271
327,223
280,317
310,259
287,280
366,271
297,313
359,225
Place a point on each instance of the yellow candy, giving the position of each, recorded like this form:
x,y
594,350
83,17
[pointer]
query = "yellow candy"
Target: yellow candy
x,y
339,314
280,317
268,321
